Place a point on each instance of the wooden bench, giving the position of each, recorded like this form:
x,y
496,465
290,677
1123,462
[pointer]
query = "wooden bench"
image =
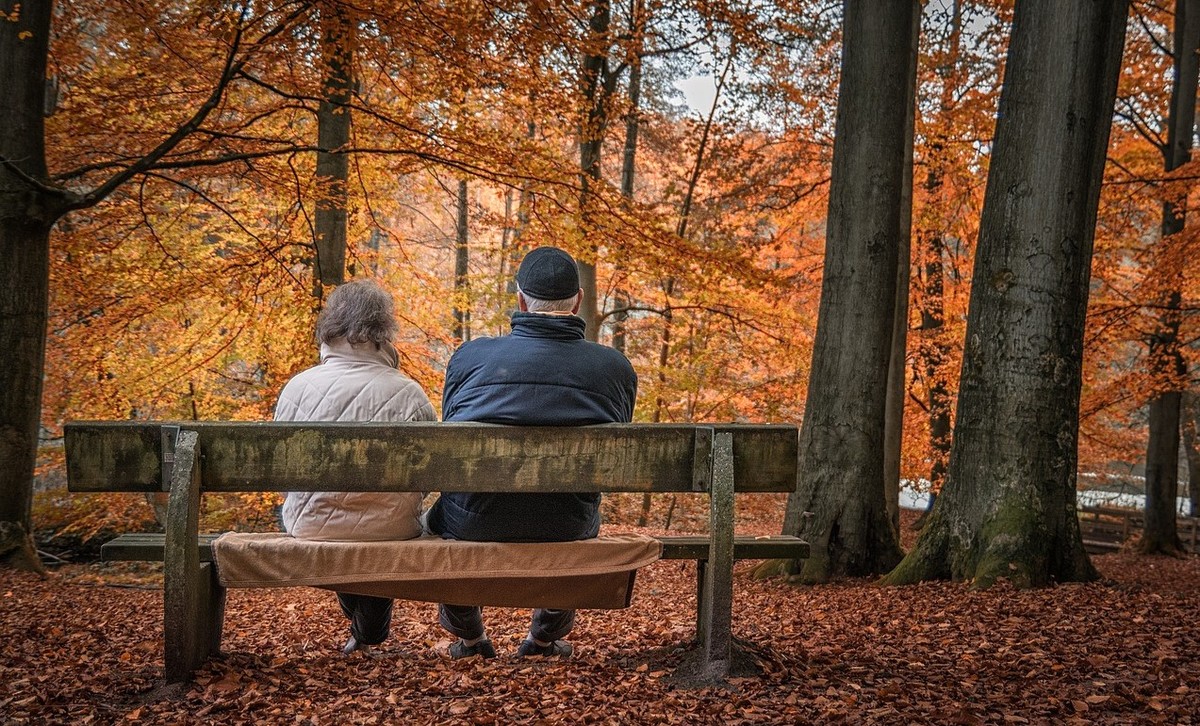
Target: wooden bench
x,y
192,458
1106,529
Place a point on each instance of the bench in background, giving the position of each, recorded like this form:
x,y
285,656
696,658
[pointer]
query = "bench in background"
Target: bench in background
x,y
192,458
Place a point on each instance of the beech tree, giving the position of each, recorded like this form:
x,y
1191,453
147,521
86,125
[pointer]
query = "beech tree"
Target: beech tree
x,y
31,203
842,435
1008,506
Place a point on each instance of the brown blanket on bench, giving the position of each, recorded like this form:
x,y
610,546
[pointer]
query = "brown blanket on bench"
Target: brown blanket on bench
x,y
594,573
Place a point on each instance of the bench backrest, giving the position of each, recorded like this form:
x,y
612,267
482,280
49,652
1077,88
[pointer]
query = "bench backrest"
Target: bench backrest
x,y
239,456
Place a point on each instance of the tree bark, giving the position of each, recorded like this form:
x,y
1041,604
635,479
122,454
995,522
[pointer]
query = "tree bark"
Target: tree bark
x,y
597,87
1191,447
27,212
333,133
629,167
462,307
841,438
1008,507
1167,367
516,250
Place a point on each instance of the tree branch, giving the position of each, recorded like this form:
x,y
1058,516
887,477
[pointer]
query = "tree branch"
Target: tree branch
x,y
231,68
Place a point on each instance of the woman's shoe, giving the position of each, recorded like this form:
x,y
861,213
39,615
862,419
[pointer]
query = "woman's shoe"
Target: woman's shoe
x,y
353,645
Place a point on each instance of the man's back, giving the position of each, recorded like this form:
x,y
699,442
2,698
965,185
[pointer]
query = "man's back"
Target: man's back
x,y
543,374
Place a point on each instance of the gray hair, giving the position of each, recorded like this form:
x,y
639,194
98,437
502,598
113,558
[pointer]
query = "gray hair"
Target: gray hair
x,y
536,305
361,312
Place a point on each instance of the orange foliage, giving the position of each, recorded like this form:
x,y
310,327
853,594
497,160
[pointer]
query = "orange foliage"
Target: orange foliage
x,y
188,293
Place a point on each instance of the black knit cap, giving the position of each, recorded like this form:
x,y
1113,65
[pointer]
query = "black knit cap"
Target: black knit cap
x,y
548,273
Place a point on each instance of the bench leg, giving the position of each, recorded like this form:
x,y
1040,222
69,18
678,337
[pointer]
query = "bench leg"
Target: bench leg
x,y
212,605
716,608
191,597
701,625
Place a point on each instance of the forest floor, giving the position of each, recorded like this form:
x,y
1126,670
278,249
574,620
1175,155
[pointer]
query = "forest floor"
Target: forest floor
x,y
84,646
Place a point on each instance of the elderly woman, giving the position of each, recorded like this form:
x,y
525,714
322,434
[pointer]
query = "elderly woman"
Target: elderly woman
x,y
357,380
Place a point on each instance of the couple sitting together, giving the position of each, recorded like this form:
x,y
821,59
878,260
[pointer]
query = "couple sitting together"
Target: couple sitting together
x,y
544,373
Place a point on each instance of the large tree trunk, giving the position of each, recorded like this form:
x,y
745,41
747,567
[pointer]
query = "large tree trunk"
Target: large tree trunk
x,y
333,133
1008,507
841,439
1167,367
28,209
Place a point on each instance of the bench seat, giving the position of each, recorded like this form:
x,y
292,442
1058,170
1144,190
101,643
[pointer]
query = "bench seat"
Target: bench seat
x,y
148,547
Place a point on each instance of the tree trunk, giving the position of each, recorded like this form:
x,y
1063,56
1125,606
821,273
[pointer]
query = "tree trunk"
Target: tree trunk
x,y
333,133
841,439
597,84
628,173
462,305
1167,367
629,168
1191,447
1008,507
893,420
28,209
516,250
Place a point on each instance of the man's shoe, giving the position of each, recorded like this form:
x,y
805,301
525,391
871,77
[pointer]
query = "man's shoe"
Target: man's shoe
x,y
555,649
353,646
459,649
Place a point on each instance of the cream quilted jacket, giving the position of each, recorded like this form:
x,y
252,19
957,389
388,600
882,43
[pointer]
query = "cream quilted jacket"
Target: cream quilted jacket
x,y
353,383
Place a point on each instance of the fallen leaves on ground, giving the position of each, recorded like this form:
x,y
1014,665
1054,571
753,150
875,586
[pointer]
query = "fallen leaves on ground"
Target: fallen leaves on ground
x,y
75,650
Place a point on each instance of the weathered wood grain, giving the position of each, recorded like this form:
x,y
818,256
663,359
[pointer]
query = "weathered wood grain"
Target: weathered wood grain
x,y
125,456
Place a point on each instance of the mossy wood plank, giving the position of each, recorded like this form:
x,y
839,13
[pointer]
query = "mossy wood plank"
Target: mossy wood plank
x,y
744,548
125,456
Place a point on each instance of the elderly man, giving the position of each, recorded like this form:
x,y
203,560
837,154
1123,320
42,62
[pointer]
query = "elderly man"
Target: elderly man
x,y
544,373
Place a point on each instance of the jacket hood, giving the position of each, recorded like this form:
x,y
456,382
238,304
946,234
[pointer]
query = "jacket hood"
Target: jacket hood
x,y
342,349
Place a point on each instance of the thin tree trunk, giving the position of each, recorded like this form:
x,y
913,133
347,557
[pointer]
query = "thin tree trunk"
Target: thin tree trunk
x,y
333,133
1166,363
26,215
462,305
1191,447
1008,507
598,84
517,250
841,438
628,171
893,418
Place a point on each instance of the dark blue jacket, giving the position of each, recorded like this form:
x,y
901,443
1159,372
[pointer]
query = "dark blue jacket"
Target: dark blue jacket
x,y
544,373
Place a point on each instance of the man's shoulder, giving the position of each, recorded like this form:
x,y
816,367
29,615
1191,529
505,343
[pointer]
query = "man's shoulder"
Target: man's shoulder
x,y
608,354
477,347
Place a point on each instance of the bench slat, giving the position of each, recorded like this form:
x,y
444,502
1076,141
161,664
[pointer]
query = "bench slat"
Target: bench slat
x,y
148,547
254,457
